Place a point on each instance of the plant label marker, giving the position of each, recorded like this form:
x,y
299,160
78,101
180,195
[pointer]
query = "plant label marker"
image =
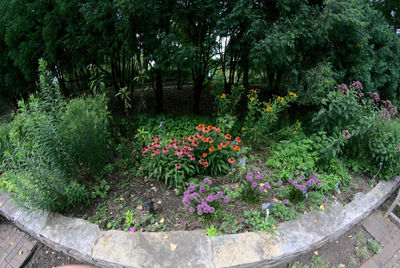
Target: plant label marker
x,y
305,192
267,207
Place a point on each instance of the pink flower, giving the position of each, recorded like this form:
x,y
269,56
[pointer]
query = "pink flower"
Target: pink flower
x,y
131,229
134,221
177,166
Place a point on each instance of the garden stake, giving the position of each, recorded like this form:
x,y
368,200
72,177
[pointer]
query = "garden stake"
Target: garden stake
x,y
380,167
267,207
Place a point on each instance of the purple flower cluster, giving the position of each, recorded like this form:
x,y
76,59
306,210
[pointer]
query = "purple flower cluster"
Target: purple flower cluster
x,y
374,96
358,87
200,199
346,134
343,88
253,177
302,184
388,110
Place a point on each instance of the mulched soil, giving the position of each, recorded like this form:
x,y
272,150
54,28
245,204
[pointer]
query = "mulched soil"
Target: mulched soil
x,y
131,193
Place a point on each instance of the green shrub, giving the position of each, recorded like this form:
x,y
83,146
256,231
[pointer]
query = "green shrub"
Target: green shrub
x,y
284,212
43,162
84,129
291,156
261,117
5,142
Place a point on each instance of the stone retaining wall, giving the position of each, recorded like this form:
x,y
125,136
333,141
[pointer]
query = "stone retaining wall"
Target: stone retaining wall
x,y
85,241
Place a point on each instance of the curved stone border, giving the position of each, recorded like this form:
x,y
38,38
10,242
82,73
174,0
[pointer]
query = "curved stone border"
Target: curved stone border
x,y
86,242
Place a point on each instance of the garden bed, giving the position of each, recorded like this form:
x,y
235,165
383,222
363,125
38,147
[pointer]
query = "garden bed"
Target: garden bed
x,y
129,193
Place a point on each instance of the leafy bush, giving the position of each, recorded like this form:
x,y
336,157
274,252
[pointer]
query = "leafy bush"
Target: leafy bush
x,y
84,128
226,108
5,142
291,156
208,151
261,116
44,158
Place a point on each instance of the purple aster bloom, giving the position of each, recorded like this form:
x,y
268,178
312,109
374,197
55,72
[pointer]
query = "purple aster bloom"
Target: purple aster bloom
x,y
319,185
233,170
302,177
297,172
195,195
211,209
185,193
285,201
310,182
191,209
254,170
261,188
201,188
210,198
253,185
280,182
205,210
207,181
258,177
220,194
199,212
291,180
249,175
226,199
325,200
266,184
273,200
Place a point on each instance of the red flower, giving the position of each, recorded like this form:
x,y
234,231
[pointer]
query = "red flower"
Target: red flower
x,y
204,155
212,149
231,160
238,139
228,137
210,140
205,164
177,166
223,144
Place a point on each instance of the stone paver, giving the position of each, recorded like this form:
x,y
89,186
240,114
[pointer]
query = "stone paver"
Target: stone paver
x,y
15,246
388,234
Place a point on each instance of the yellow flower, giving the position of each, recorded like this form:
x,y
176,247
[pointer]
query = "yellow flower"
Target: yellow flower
x,y
274,120
241,86
243,128
252,99
221,73
254,91
223,96
295,132
282,99
299,123
234,117
266,104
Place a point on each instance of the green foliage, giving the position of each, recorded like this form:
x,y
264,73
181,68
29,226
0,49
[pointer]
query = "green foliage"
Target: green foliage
x,y
47,135
374,246
212,231
226,106
257,221
291,156
352,262
229,223
319,262
100,190
5,142
84,129
362,253
284,212
360,237
262,116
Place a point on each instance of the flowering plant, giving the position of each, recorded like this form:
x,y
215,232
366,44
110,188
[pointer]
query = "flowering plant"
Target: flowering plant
x,y
208,151
261,116
201,199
